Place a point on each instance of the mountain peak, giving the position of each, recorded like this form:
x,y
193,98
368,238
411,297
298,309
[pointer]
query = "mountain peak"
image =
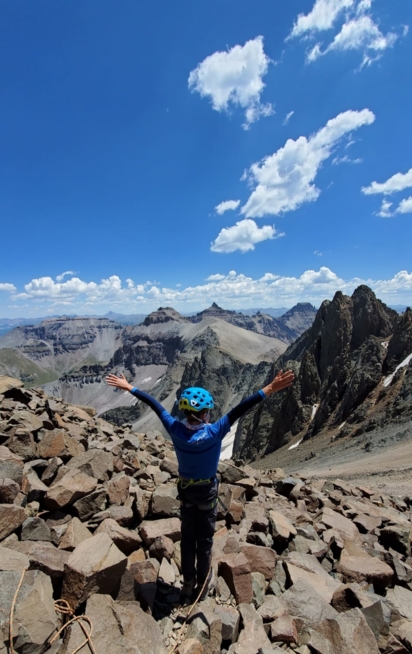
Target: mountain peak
x,y
163,314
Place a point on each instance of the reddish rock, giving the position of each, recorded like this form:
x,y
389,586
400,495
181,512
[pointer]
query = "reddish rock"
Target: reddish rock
x,y
9,490
126,540
118,489
11,465
281,528
253,636
95,566
11,560
11,517
367,523
49,560
165,501
370,569
235,570
144,572
75,534
284,630
58,443
96,463
33,487
123,515
190,646
344,526
152,529
73,486
162,547
22,443
261,559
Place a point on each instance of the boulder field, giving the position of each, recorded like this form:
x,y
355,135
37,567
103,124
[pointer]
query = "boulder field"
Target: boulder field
x,y
89,514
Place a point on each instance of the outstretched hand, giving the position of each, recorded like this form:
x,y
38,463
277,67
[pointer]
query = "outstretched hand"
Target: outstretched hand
x,y
281,381
119,382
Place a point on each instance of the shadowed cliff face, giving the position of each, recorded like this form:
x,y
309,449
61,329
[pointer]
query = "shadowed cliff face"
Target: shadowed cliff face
x,y
340,364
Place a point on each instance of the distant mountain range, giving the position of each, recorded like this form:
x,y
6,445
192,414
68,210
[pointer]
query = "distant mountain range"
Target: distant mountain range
x,y
228,350
7,324
352,360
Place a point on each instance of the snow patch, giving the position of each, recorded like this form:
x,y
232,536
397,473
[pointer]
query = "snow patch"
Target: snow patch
x,y
342,425
144,381
160,379
228,443
295,445
314,409
388,380
385,344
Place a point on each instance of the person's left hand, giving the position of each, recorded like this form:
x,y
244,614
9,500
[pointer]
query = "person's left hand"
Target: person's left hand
x,y
119,382
281,381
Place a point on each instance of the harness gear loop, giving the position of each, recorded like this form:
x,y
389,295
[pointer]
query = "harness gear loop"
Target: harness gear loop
x,y
186,483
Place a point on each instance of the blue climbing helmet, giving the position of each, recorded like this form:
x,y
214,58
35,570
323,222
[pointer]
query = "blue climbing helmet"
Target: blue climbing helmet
x,y
195,399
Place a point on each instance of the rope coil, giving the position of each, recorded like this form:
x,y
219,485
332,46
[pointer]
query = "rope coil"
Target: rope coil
x,y
62,607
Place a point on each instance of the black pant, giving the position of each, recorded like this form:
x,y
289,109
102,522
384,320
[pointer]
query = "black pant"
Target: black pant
x,y
198,527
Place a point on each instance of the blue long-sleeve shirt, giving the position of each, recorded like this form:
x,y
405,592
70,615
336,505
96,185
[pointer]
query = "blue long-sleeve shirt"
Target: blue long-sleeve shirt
x,y
198,451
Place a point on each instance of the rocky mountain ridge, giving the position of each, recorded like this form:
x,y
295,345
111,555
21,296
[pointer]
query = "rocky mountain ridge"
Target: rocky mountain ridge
x,y
215,347
353,374
43,352
89,515
165,353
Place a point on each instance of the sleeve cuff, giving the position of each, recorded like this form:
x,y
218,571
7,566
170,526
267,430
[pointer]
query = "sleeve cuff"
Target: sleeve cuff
x,y
262,394
133,389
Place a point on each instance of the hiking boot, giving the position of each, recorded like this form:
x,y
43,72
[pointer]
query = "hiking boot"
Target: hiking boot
x,y
209,586
187,592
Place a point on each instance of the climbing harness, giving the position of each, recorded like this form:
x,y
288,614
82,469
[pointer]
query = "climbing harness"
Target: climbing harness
x,y
186,483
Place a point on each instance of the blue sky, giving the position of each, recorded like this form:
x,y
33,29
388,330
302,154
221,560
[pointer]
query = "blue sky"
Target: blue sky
x,y
158,153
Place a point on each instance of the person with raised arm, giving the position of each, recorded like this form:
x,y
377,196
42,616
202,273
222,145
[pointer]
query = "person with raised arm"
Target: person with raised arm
x,y
197,443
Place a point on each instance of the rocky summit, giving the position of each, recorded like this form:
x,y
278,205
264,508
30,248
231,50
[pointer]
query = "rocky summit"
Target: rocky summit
x,y
353,375
89,515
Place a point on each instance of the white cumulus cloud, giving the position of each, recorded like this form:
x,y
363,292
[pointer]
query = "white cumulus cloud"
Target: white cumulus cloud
x,y
405,206
322,17
68,273
360,33
396,183
215,278
9,288
385,210
285,180
243,237
234,78
227,205
357,30
231,290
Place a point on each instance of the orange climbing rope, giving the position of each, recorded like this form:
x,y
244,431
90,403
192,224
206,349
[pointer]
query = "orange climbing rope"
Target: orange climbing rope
x,y
179,635
12,612
63,607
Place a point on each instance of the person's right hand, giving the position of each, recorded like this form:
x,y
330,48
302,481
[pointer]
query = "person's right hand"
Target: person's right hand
x,y
119,382
281,381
